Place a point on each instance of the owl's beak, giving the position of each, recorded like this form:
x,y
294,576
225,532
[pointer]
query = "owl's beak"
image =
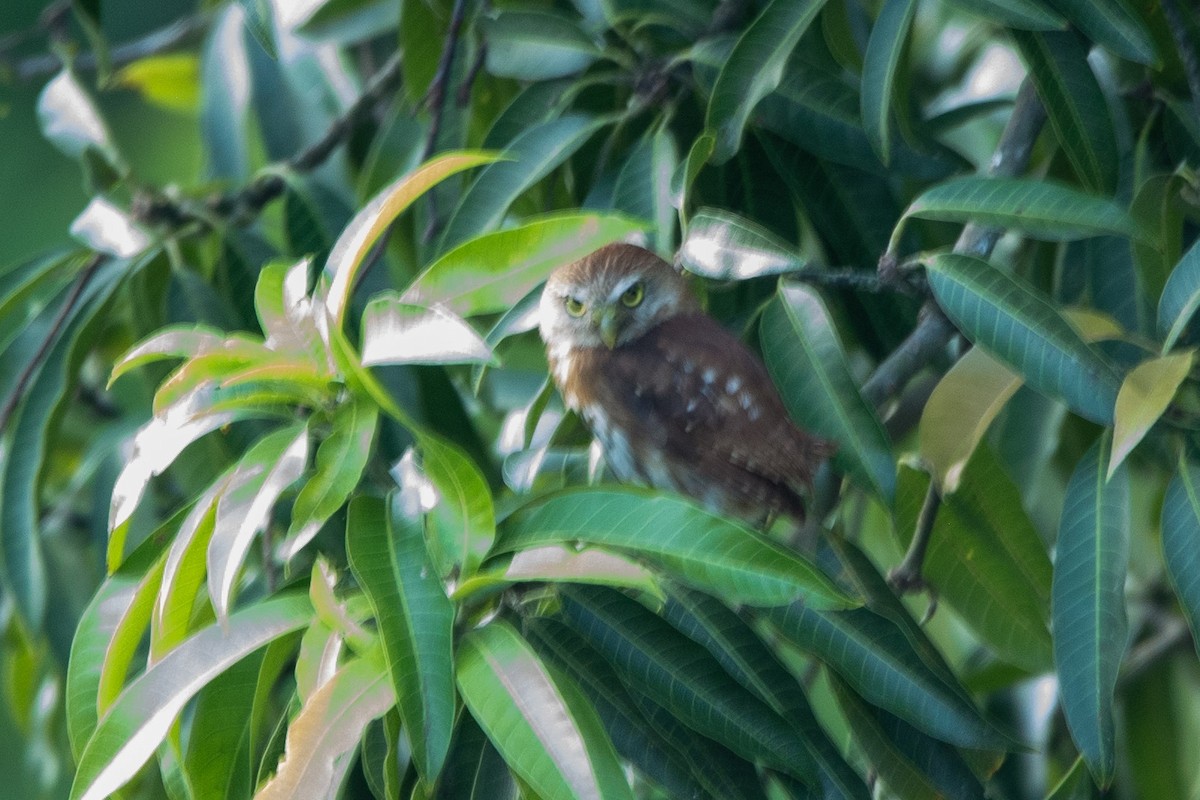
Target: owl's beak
x,y
606,321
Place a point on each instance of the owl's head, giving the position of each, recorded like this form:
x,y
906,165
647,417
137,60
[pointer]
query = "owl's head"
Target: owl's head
x,y
611,297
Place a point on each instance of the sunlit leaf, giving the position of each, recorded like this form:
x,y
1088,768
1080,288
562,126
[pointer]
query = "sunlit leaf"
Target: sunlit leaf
x,y
561,563
70,119
723,246
107,229
396,332
171,80
1145,394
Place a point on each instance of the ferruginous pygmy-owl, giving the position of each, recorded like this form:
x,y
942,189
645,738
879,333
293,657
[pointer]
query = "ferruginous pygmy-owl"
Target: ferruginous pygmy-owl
x,y
676,401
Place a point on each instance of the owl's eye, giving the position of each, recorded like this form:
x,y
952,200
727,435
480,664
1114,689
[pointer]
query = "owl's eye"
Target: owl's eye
x,y
633,295
574,307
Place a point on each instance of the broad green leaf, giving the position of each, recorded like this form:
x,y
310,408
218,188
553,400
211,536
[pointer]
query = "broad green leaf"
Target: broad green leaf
x,y
173,341
475,770
958,413
986,559
287,315
713,553
1180,297
520,706
643,187
29,288
368,225
675,671
804,355
341,459
1088,607
1145,394
260,22
876,658
681,182
105,228
536,45
1113,24
142,716
171,80
322,737
396,332
225,96
1078,111
528,158
350,21
1024,331
490,273
888,38
217,758
563,563
1029,15
724,246
754,69
244,509
1158,204
414,618
1181,541
1040,209
107,636
70,120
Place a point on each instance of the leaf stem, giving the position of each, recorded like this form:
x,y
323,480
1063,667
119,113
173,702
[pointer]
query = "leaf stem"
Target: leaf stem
x,y
907,576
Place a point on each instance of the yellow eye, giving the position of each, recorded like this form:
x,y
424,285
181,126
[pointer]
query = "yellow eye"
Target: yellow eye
x,y
574,307
633,295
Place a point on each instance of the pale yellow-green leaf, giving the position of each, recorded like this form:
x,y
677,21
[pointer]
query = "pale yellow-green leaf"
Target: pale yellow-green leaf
x,y
1144,396
171,80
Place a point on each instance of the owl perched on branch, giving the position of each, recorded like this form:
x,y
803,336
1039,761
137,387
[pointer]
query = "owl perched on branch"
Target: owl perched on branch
x,y
676,401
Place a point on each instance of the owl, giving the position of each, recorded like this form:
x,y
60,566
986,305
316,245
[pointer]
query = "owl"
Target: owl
x,y
675,400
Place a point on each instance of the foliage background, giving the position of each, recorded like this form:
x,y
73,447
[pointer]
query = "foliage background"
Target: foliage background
x,y
848,146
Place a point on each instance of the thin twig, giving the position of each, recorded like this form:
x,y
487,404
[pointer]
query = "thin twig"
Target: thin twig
x,y
855,280
60,319
1187,53
435,98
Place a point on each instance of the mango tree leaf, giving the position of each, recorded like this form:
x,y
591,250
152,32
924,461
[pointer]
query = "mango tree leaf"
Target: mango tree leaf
x,y
958,413
217,758
341,459
287,315
1088,607
562,563
1024,331
328,728
170,80
520,706
173,341
754,69
804,356
643,187
1180,297
536,45
70,120
369,224
350,21
490,273
888,38
142,716
225,98
711,552
528,158
395,332
415,620
724,246
986,559
1077,108
1114,25
1145,394
1181,541
681,182
1028,15
107,229
657,660
1040,209
273,464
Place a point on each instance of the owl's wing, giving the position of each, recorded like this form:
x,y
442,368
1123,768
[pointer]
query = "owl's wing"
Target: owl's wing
x,y
704,398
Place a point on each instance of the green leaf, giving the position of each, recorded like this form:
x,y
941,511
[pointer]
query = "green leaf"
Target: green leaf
x,y
329,726
225,99
396,332
1029,15
490,273
524,712
260,22
1024,331
341,459
143,715
724,246
958,413
658,661
217,758
528,158
105,228
1040,209
415,621
802,351
986,559
1114,25
754,69
888,38
474,770
1090,626
875,657
368,225
350,21
681,182
1077,108
1181,541
170,81
713,553
1145,394
643,187
536,45
244,509
1180,297
563,563
70,120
